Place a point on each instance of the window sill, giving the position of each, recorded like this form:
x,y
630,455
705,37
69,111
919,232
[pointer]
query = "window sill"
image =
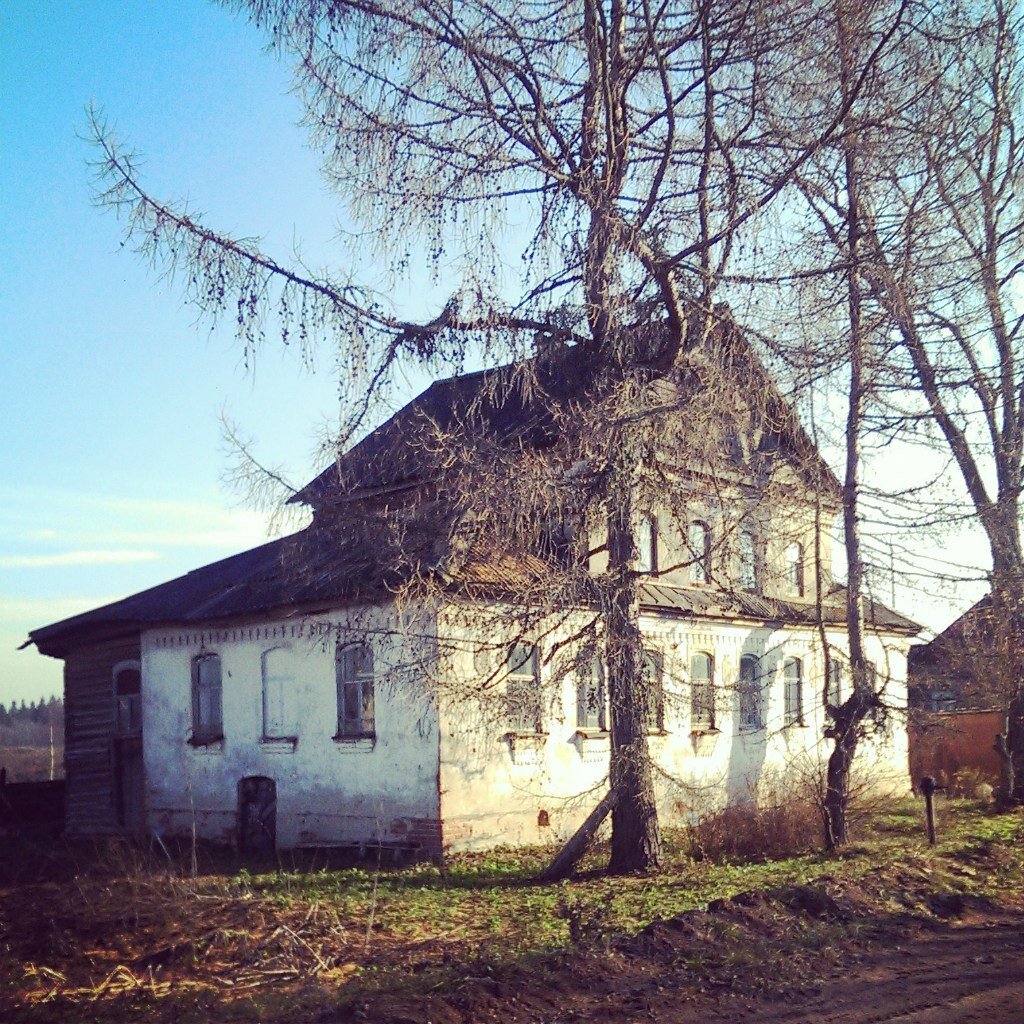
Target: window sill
x,y
657,732
210,743
592,734
286,744
711,731
355,744
746,730
795,725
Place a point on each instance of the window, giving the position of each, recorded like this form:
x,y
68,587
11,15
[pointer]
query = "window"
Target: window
x,y
699,542
647,544
748,561
702,693
523,689
127,698
207,713
652,673
560,545
834,669
353,666
795,569
942,700
278,689
793,674
750,692
590,697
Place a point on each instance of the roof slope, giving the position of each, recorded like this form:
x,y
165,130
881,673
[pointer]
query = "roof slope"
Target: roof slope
x,y
298,570
500,402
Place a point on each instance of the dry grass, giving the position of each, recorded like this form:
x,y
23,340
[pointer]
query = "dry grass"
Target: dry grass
x,y
110,932
751,833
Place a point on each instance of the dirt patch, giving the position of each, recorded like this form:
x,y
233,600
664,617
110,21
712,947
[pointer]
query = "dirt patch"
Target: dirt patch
x,y
827,953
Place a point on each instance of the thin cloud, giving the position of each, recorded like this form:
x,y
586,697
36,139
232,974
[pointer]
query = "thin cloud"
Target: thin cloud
x,y
64,558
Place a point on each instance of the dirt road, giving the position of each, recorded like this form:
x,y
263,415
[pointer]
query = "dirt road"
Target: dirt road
x,y
970,973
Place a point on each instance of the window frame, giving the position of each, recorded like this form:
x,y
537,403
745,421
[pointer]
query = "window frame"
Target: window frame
x,y
204,734
528,683
589,681
793,711
834,679
700,566
647,544
796,580
750,695
133,706
282,736
652,664
703,712
365,727
753,586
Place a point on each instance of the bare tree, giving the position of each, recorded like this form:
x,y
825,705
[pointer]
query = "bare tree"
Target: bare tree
x,y
942,237
631,139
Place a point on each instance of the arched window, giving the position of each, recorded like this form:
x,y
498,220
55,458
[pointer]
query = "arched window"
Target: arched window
x,y
748,561
127,698
795,569
647,544
523,689
750,692
207,708
793,675
699,542
652,670
278,694
590,697
702,692
353,668
834,671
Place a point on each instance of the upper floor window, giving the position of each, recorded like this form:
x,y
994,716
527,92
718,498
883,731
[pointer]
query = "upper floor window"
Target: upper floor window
x,y
652,674
647,544
523,689
698,540
560,545
278,694
793,676
590,697
127,698
748,561
207,707
353,666
750,692
702,692
795,569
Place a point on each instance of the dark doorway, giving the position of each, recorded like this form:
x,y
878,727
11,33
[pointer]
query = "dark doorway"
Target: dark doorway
x,y
257,815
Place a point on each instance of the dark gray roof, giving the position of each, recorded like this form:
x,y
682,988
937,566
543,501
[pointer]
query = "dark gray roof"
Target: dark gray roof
x,y
501,402
305,568
312,568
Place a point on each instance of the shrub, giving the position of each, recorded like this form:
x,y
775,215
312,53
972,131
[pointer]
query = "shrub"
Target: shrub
x,y
748,832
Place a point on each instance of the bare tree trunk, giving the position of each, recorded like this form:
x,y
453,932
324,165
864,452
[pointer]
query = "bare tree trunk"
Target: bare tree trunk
x,y
848,718
636,839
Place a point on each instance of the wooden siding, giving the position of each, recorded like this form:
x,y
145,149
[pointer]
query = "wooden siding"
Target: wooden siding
x,y
88,735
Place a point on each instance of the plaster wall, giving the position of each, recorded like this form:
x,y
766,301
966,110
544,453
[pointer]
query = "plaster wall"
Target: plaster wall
x,y
499,789
329,790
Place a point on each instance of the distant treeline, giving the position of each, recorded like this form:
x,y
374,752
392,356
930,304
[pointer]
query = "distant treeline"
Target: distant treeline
x,y
28,725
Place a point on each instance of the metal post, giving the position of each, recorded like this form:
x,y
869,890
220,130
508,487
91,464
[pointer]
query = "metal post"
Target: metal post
x,y
928,789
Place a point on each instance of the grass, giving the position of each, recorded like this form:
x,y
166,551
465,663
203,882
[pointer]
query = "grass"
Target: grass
x,y
284,940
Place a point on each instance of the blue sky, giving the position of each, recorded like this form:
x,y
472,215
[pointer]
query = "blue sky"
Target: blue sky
x,y
110,444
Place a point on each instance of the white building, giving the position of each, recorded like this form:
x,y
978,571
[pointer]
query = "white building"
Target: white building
x,y
280,696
